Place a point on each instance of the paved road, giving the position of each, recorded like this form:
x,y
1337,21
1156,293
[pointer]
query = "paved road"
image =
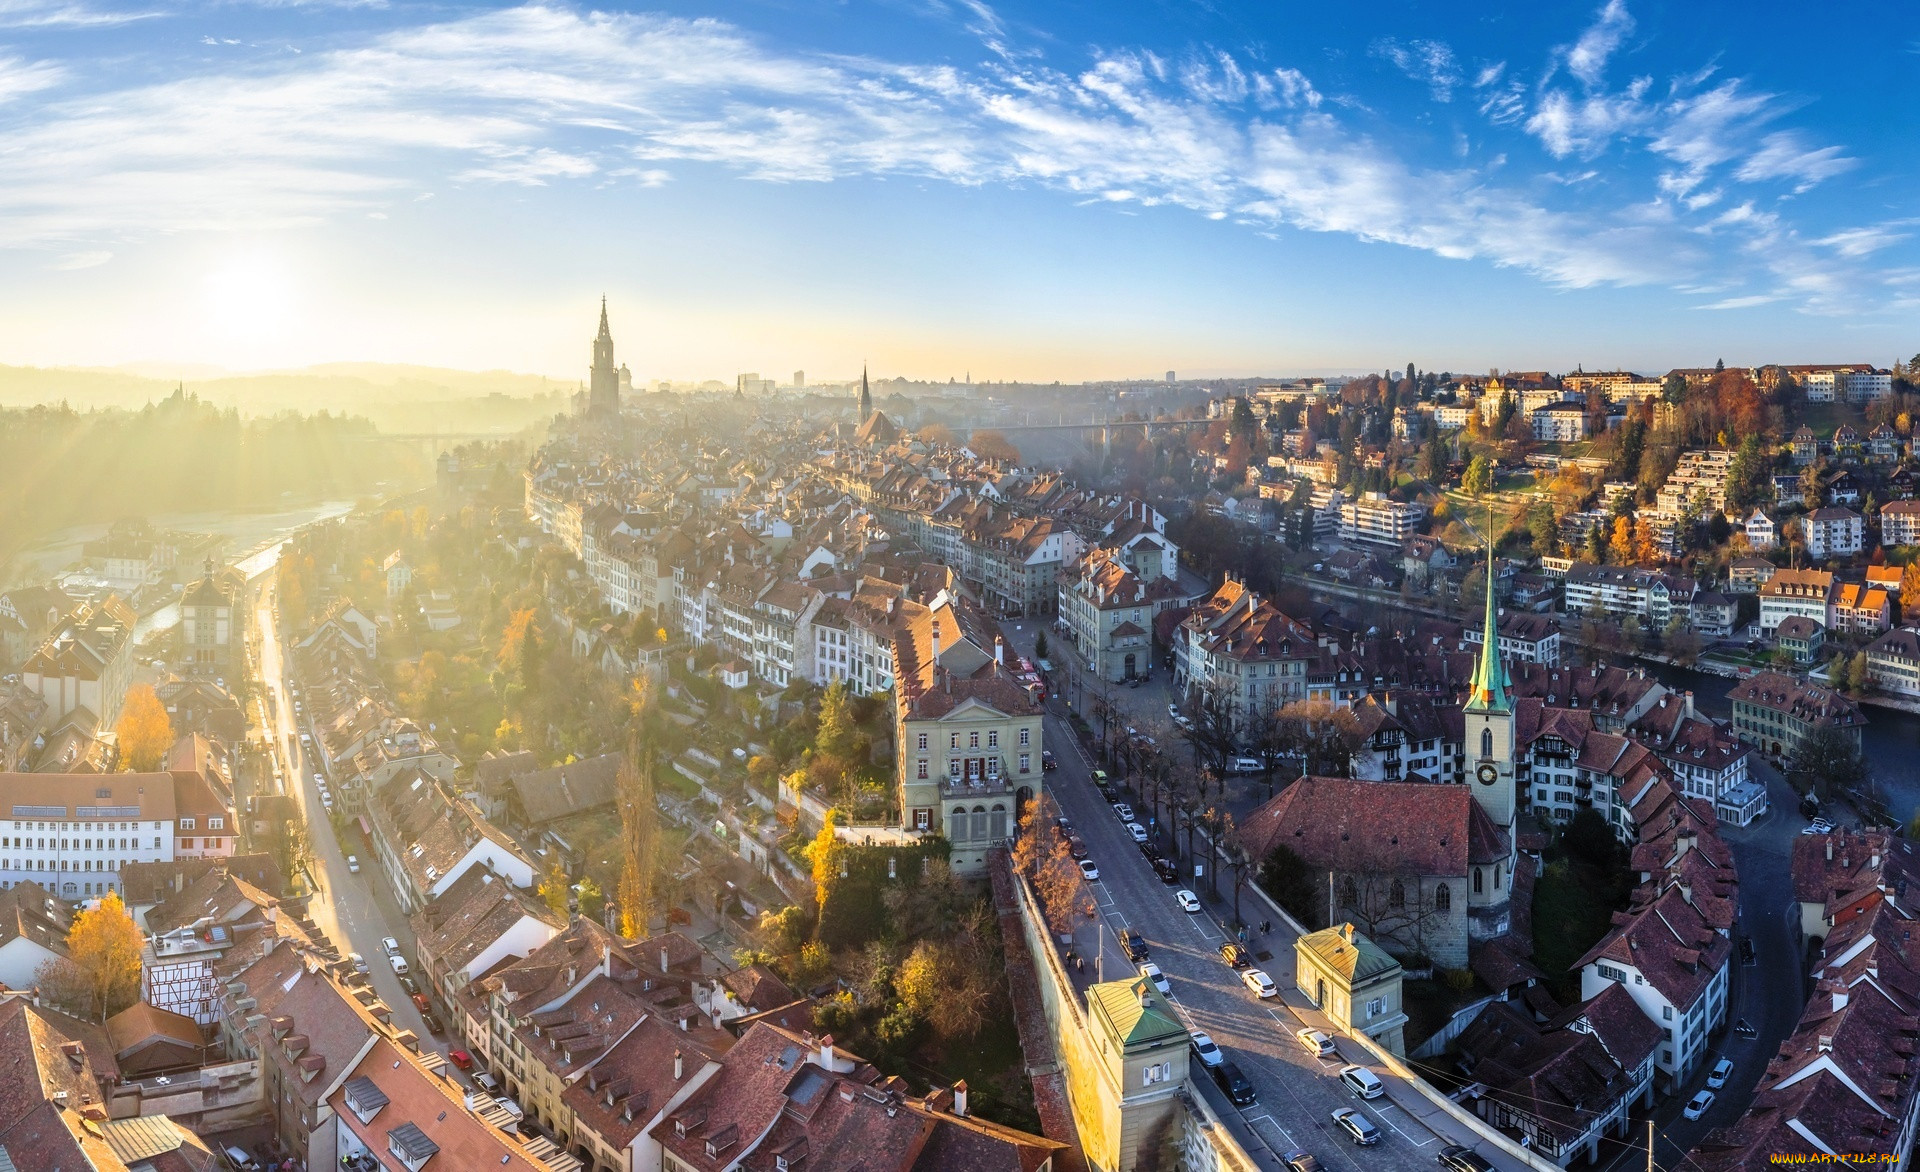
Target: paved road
x,y
1297,1092
343,904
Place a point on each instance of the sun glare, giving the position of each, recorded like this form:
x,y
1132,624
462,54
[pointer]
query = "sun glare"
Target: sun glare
x,y
248,298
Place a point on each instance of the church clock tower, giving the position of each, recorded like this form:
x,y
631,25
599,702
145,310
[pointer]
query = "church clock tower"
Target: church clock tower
x,y
1489,726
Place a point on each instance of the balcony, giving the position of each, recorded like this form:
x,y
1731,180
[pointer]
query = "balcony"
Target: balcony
x,y
979,777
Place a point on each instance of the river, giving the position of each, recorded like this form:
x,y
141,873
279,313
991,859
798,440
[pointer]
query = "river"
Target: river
x,y
1890,742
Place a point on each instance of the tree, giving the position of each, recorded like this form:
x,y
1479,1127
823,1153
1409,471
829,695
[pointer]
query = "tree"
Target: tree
x,y
1040,645
1324,737
639,841
1478,480
593,901
837,727
1285,876
824,854
103,950
1542,529
1621,548
144,732
553,887
1827,761
286,840
1857,675
992,445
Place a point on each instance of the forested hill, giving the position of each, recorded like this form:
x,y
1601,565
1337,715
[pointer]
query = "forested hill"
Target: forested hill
x,y
68,467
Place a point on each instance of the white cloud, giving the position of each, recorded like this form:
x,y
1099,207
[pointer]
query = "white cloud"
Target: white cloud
x,y
1587,59
537,96
1786,155
19,78
1858,242
33,14
1742,302
81,260
1428,62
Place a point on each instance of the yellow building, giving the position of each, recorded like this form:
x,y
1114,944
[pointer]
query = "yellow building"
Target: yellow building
x,y
1123,1094
1354,982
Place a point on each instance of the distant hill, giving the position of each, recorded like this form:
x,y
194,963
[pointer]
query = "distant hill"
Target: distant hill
x,y
393,396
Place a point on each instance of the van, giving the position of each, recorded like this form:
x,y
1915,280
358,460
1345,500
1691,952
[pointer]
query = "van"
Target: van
x,y
1362,1082
1246,764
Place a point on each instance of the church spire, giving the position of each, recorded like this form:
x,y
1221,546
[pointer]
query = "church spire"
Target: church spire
x,y
866,396
604,331
1489,693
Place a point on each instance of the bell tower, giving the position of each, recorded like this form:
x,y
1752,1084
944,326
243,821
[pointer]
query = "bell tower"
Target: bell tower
x,y
1489,724
603,394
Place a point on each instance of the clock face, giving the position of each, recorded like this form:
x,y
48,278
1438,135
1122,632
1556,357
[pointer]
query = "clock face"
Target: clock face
x,y
1489,773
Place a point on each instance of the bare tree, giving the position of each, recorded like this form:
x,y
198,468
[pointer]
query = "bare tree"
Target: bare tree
x,y
1389,907
1211,733
1323,736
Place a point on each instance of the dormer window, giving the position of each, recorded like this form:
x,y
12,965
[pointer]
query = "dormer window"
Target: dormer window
x,y
186,824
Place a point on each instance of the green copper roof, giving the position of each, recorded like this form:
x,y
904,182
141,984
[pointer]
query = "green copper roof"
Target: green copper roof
x,y
1489,692
1136,1011
1348,953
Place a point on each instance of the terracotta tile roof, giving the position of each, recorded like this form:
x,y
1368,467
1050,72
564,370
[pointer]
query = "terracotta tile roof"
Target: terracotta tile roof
x,y
432,1106
1563,1079
1360,826
1670,943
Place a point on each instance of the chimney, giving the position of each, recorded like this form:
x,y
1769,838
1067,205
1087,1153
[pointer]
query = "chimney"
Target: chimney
x,y
663,960
1829,848
678,1065
1876,860
826,1052
999,650
960,1097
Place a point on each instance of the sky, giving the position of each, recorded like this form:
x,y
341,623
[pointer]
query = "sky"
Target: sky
x,y
952,189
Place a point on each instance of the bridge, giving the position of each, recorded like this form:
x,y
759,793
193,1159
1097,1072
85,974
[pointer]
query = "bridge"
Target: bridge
x,y
1106,427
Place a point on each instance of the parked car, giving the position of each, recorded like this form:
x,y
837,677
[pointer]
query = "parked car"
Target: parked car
x,y
486,1082
433,1024
1152,973
359,962
1362,1082
1077,848
353,864
1169,874
461,1059
1138,831
1455,1158
1188,901
1124,811
1101,783
1358,1127
1300,1161
399,963
1236,954
1047,763
407,985
1238,1089
390,946
421,1003
1261,984
1317,1042
1721,1072
1173,710
1699,1105
1133,944
1088,870
1205,1050
1246,764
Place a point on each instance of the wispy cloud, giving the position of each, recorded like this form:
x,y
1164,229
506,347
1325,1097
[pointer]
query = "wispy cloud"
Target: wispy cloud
x,y
1786,155
1429,62
81,260
1587,59
37,14
540,96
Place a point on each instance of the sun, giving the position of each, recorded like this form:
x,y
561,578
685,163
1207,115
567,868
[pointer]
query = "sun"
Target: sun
x,y
248,297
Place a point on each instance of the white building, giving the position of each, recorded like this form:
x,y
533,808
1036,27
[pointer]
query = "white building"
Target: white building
x,y
1834,531
1900,522
1866,386
1560,423
1762,533
1674,965
1379,520
1787,593
72,834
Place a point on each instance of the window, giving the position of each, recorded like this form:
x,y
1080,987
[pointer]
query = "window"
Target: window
x,y
923,742
216,823
973,740
1442,898
1026,735
1612,974
1486,742
1479,881
953,740
993,738
953,767
1666,1013
922,768
1397,895
1026,763
922,819
1159,1072
1376,1007
186,824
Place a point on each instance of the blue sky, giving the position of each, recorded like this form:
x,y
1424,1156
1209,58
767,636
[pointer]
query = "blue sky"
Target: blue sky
x,y
940,187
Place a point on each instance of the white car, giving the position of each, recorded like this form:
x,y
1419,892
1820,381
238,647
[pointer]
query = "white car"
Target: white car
x,y
1722,1070
1699,1105
390,945
1204,1047
1317,1043
399,964
1152,973
1088,870
353,864
1138,831
1188,901
1261,984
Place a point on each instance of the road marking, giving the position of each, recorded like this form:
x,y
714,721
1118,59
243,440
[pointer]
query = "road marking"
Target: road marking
x,y
1253,1121
1382,1110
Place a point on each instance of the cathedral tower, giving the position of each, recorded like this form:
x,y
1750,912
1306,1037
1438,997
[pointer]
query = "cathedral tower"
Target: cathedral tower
x,y
866,399
603,389
1489,724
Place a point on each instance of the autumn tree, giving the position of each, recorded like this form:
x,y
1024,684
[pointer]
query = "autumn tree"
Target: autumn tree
x,y
143,730
1620,549
100,975
1323,736
553,887
1478,480
824,853
639,841
992,445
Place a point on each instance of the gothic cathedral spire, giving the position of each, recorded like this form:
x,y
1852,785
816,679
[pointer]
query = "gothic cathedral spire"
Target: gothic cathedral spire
x,y
1489,692
603,395
866,396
